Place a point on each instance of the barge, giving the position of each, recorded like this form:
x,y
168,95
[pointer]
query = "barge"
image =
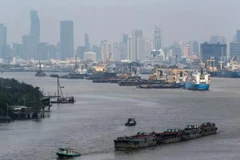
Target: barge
x,y
144,139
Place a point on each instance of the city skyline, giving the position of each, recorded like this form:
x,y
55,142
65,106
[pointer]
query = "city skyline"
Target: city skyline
x,y
185,20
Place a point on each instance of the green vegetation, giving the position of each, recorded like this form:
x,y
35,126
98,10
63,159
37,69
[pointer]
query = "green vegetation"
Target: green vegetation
x,y
13,92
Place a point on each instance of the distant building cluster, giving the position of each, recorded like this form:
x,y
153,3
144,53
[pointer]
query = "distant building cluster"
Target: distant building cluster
x,y
133,47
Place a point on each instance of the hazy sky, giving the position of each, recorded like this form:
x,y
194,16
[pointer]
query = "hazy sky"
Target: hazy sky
x,y
108,19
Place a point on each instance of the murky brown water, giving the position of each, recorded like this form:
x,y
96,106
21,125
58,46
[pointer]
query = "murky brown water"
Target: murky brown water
x,y
99,114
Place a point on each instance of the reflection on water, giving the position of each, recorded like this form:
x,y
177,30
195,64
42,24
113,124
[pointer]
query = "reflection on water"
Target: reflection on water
x,y
98,116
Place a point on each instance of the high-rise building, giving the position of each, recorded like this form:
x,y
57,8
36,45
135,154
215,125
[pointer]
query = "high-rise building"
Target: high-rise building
x,y
176,49
116,53
123,47
148,47
42,51
17,49
123,52
235,51
35,25
129,48
29,47
66,39
218,39
135,35
238,36
96,49
141,49
106,50
195,47
52,52
80,51
187,50
215,52
158,37
3,41
87,43
124,38
58,51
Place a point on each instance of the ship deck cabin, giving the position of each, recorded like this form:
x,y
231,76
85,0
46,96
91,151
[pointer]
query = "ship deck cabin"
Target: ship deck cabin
x,y
208,124
173,130
191,127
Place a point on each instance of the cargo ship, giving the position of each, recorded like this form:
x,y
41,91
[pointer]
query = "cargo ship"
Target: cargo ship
x,y
225,73
232,70
102,72
144,139
197,81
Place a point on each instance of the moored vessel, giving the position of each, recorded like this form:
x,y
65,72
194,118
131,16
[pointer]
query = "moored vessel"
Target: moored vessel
x,y
197,81
40,72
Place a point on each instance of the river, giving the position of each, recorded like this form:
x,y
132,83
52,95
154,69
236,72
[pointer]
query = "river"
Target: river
x,y
98,116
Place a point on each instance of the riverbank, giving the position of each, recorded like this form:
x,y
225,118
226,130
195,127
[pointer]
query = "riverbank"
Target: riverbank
x,y
19,100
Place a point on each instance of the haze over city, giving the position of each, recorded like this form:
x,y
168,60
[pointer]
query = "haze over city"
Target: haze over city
x,y
107,19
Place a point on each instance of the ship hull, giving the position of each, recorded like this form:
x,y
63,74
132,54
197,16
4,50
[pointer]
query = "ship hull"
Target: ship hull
x,y
134,144
102,75
225,74
192,86
167,140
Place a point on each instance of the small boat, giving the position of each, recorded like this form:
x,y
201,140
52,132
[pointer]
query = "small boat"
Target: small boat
x,y
131,122
67,152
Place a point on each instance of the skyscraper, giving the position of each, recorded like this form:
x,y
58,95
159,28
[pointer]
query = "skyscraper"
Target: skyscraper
x,y
218,39
66,39
96,49
29,47
106,50
129,48
3,40
195,47
158,37
116,52
187,50
141,48
215,51
123,47
124,38
135,35
238,35
35,25
87,43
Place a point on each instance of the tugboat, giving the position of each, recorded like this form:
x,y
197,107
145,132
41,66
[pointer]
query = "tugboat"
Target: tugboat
x,y
67,152
169,136
208,128
40,72
191,132
140,140
131,122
